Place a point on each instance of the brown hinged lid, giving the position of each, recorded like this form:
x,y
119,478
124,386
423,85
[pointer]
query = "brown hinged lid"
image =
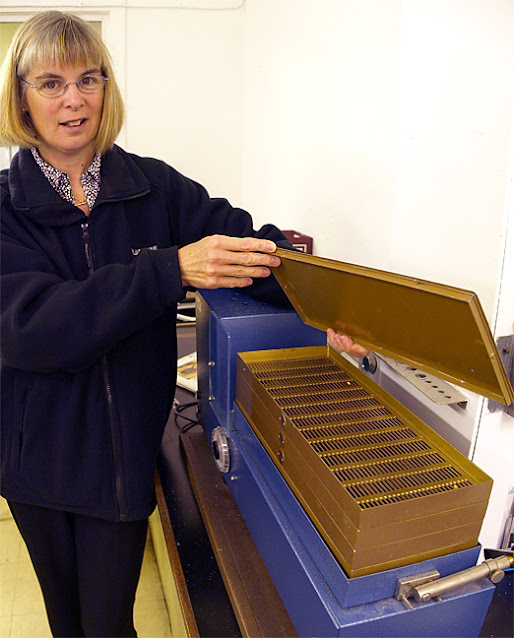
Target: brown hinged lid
x,y
433,327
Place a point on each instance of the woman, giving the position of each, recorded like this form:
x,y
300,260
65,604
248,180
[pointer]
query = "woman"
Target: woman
x,y
98,246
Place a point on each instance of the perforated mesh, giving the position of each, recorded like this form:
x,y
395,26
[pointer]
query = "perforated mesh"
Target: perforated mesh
x,y
378,457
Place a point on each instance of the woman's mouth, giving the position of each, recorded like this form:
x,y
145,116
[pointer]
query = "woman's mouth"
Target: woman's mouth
x,y
73,123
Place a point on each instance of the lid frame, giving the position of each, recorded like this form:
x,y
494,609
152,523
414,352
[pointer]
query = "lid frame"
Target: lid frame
x,y
434,327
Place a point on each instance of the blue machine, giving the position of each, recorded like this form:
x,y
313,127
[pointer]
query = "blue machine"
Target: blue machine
x,y
320,599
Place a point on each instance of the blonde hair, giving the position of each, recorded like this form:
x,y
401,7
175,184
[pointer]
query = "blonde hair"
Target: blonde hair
x,y
55,38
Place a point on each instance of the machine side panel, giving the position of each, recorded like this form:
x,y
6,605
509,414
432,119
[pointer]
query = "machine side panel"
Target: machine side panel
x,y
458,616
229,322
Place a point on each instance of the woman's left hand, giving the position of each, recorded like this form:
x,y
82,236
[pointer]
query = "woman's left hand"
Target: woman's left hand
x,y
218,261
344,343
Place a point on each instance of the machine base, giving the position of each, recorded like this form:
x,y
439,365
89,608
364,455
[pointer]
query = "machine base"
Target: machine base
x,y
319,597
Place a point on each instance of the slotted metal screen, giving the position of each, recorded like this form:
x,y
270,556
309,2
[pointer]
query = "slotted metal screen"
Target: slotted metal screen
x,y
375,480
360,432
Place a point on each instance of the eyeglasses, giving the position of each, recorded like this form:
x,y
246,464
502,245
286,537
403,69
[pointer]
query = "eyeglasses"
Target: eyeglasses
x,y
53,87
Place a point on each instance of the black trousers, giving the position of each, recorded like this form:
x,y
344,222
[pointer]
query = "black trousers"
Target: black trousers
x,y
88,569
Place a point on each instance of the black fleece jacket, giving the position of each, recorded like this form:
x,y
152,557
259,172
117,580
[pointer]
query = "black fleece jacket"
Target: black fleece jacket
x,y
88,343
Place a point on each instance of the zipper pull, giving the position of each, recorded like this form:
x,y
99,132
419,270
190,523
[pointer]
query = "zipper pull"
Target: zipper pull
x,y
87,246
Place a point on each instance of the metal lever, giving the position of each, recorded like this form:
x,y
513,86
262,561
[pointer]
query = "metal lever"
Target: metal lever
x,y
405,586
493,568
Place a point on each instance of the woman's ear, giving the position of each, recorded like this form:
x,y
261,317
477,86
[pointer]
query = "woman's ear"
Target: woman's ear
x,y
25,110
24,105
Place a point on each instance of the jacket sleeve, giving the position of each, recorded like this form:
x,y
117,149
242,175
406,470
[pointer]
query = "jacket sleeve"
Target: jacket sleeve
x,y
196,215
50,324
53,323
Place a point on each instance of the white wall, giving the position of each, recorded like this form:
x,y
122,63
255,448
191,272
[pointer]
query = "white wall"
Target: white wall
x,y
184,100
321,99
495,435
382,128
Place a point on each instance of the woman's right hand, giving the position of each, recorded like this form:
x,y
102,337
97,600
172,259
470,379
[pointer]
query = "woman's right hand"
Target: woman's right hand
x,y
219,261
344,343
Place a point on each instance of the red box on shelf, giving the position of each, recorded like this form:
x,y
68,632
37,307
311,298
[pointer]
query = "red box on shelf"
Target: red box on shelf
x,y
299,240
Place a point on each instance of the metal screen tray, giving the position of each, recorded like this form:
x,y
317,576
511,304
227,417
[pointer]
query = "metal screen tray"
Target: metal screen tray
x,y
382,488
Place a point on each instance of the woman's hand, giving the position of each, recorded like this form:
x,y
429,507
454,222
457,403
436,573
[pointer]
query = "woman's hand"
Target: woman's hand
x,y
344,343
219,261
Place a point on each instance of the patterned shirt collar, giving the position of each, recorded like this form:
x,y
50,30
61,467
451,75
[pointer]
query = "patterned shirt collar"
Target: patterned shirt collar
x,y
60,181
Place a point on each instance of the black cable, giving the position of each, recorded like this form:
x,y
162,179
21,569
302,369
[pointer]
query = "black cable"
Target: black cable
x,y
178,408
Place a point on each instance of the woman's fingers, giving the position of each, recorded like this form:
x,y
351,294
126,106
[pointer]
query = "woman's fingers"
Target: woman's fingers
x,y
219,261
344,343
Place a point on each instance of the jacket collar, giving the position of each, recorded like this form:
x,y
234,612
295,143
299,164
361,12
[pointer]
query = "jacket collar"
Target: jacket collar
x,y
32,194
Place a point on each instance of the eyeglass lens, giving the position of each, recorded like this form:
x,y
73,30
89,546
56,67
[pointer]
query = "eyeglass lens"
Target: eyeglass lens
x,y
88,84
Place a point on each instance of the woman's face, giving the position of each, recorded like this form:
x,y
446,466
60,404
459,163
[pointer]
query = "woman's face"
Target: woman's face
x,y
66,125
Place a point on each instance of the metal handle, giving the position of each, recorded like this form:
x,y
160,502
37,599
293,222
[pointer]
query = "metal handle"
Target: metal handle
x,y
493,568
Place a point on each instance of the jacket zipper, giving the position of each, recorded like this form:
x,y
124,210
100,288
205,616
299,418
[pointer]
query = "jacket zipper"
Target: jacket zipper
x,y
108,391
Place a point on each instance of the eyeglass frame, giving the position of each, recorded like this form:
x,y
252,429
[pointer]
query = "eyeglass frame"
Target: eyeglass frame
x,y
66,84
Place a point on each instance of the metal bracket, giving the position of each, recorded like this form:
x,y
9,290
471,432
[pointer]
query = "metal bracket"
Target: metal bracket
x,y
435,389
405,586
506,351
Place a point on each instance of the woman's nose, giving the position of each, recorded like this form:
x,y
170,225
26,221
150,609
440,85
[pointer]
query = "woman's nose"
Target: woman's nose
x,y
72,95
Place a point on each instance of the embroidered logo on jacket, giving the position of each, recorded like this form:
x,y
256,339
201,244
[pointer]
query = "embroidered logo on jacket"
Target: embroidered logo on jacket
x,y
136,251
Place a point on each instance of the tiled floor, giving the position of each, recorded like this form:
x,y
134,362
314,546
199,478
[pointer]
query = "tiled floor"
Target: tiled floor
x,y
22,612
